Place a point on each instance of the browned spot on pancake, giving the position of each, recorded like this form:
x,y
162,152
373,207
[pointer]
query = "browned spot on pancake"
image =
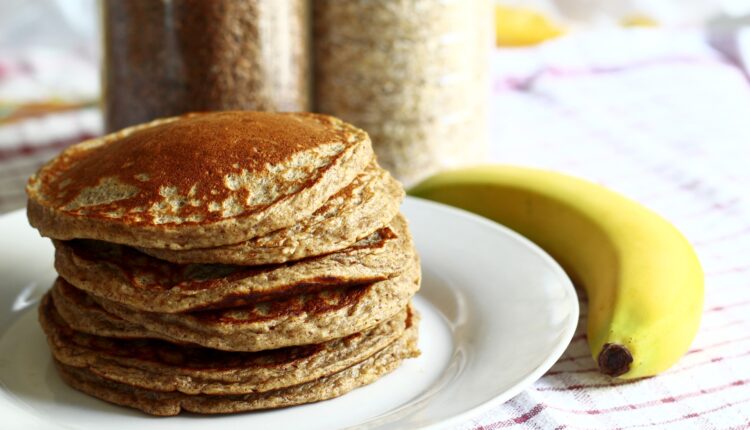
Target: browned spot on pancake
x,y
78,297
144,271
190,157
316,303
186,357
314,286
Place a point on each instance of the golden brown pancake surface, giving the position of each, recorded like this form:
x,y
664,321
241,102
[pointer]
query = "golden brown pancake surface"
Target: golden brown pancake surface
x,y
198,180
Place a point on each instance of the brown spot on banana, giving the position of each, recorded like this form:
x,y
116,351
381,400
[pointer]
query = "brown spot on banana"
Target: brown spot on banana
x,y
614,359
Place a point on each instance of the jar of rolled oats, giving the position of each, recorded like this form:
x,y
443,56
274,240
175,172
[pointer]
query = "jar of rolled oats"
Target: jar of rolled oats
x,y
167,57
413,73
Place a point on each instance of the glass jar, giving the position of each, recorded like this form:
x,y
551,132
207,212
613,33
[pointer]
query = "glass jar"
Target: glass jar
x,y
167,57
413,73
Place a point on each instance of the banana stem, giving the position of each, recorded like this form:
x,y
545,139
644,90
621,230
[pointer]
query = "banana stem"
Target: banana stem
x,y
614,359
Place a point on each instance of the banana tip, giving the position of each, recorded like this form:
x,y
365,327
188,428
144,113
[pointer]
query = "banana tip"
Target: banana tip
x,y
614,359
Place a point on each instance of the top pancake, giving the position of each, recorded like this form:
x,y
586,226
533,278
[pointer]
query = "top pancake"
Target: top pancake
x,y
369,202
198,180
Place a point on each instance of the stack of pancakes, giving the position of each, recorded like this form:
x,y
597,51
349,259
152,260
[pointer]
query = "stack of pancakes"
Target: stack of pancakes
x,y
225,262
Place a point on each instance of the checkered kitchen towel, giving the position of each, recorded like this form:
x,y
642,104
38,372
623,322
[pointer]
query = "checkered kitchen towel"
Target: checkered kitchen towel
x,y
657,116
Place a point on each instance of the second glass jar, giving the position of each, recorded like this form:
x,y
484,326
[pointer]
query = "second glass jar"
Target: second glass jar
x,y
413,73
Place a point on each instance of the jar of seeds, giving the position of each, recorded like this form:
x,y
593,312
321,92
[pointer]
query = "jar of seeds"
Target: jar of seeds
x,y
167,57
413,73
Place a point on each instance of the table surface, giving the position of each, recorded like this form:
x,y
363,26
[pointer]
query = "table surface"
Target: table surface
x,y
655,115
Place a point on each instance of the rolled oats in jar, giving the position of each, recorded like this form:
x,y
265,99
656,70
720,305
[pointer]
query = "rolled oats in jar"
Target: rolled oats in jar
x,y
413,73
167,57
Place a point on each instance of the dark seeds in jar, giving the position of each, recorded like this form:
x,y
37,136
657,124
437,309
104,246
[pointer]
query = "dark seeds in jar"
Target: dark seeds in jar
x,y
164,58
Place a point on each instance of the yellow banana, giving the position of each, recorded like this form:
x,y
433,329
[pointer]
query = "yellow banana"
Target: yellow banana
x,y
518,26
642,277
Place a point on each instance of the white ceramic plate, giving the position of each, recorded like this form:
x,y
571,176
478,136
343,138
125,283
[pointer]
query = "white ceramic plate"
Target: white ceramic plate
x,y
497,312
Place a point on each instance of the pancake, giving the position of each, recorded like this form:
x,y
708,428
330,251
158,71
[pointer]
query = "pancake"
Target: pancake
x,y
295,320
164,366
125,275
172,402
368,202
83,314
197,180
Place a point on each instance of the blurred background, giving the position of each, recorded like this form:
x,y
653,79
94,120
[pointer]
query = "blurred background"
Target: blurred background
x,y
672,71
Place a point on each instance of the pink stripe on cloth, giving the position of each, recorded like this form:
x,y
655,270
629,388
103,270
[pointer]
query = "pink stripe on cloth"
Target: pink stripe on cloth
x,y
23,150
689,416
540,407
525,82
651,403
515,421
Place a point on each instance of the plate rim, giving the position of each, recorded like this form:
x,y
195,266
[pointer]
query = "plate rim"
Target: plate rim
x,y
559,348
